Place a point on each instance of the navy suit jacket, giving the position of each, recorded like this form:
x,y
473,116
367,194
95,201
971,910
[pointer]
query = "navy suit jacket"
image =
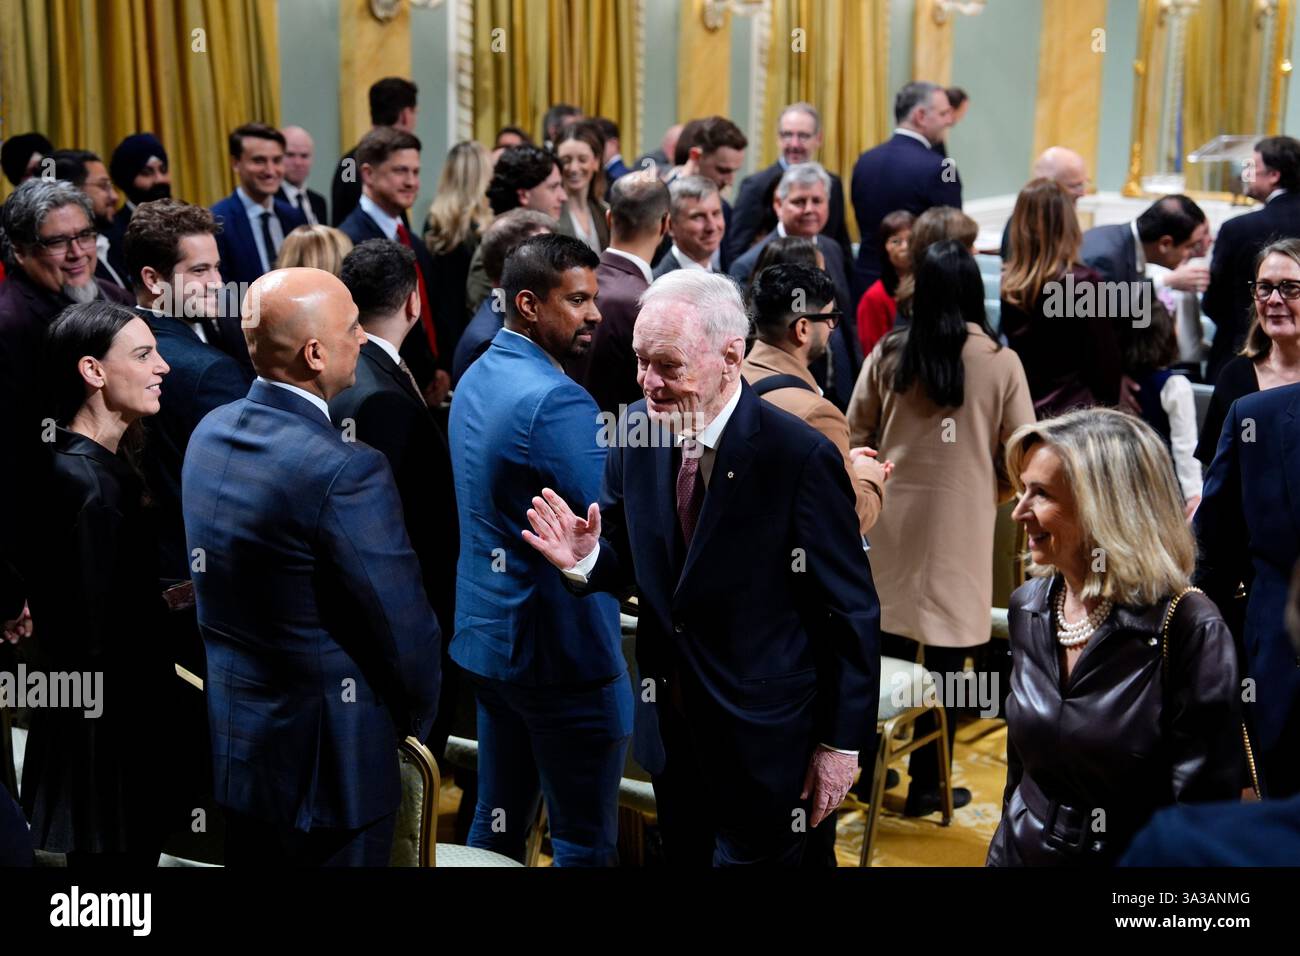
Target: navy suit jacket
x,y
1248,529
770,618
1111,251
518,425
201,378
316,200
900,173
239,259
1227,299
1264,833
477,338
754,204
322,650
359,227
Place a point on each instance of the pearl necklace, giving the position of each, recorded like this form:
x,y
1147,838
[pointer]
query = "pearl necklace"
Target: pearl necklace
x,y
1072,635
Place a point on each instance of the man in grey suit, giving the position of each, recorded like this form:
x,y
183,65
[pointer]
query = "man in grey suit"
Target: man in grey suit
x,y
1170,232
696,224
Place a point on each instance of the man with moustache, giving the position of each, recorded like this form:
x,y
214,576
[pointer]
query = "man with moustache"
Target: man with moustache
x,y
139,169
554,702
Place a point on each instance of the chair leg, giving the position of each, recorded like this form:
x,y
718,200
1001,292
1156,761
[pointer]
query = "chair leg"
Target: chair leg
x,y
533,849
945,767
879,772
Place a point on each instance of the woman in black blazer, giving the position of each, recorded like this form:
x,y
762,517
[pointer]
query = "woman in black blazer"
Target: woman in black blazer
x,y
89,787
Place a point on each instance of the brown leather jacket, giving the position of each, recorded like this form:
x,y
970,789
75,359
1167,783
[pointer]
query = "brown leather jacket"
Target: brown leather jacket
x,y
1088,765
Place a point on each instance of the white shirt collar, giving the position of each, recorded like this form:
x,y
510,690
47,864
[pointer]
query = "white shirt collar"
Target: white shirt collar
x,y
549,357
387,224
1273,195
292,191
915,135
1140,255
302,393
251,208
637,261
616,158
686,262
711,434
389,348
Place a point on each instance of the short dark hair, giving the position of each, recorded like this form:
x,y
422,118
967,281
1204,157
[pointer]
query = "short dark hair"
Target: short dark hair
x,y
555,117
608,128
1152,348
538,264
913,95
153,237
709,134
87,328
516,130
506,233
380,274
895,222
637,205
380,143
772,296
519,167
1282,153
254,131
388,97
70,165
1175,216
794,250
956,96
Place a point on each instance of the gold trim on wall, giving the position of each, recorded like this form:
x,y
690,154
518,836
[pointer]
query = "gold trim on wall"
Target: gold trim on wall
x,y
703,64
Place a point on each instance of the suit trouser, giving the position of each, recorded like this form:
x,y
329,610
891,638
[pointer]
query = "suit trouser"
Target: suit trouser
x,y
567,743
253,842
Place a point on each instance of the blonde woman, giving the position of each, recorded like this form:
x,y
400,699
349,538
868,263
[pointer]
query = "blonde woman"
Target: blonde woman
x,y
458,217
314,247
1113,713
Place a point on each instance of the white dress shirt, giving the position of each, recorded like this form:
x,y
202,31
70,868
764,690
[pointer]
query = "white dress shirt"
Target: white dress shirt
x,y
301,393
254,213
686,262
637,261
292,193
389,348
898,130
387,224
101,251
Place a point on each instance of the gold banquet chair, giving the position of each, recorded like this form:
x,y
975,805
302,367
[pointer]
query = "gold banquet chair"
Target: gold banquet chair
x,y
918,696
415,838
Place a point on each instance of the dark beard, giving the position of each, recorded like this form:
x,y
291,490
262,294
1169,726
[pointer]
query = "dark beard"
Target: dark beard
x,y
156,191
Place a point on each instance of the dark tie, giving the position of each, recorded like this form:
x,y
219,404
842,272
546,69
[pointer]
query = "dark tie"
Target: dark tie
x,y
305,207
406,370
271,250
426,313
690,490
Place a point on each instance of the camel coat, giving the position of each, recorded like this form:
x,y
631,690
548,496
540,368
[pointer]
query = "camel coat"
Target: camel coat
x,y
932,549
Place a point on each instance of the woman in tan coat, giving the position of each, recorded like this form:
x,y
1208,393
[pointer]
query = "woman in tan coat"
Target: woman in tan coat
x,y
939,397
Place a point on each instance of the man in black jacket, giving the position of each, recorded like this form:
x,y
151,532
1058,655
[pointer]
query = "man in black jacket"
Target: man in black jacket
x,y
392,103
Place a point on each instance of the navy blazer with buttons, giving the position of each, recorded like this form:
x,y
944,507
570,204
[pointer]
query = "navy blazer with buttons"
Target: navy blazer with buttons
x,y
322,649
239,259
771,616
518,425
1248,529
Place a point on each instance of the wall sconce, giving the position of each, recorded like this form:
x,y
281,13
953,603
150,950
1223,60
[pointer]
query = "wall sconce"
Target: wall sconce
x,y
385,10
942,10
715,11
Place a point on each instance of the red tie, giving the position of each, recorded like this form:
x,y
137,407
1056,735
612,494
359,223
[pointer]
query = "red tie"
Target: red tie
x,y
426,313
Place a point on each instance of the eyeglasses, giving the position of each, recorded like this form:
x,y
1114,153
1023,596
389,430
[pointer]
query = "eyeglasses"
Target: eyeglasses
x,y
896,241
58,245
831,319
792,134
1263,291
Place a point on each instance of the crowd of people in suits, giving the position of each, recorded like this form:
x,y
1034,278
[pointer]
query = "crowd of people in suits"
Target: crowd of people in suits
x,y
355,478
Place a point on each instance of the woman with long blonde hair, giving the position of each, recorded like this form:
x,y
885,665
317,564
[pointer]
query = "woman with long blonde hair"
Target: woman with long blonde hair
x,y
458,217
1072,360
314,247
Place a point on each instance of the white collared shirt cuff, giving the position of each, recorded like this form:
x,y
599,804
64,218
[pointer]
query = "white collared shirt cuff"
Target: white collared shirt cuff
x,y
837,750
582,569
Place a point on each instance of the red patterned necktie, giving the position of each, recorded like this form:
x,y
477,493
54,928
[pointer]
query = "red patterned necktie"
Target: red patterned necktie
x,y
690,489
426,313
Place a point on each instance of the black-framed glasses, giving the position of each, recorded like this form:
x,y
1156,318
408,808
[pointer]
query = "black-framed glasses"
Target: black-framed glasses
x,y
1263,291
831,319
58,245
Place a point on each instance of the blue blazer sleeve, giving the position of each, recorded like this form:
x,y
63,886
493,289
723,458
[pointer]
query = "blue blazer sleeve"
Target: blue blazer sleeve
x,y
562,444
363,532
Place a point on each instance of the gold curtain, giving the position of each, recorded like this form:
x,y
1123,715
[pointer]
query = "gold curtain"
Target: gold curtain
x,y
1069,78
839,63
88,73
703,65
529,54
369,50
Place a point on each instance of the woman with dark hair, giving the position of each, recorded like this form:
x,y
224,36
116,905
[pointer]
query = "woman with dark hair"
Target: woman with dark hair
x,y
91,785
877,308
786,250
581,151
939,398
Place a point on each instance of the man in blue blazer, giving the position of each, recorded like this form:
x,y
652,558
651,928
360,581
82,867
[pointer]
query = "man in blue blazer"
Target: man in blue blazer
x,y
1248,530
801,203
904,172
758,630
554,700
322,649
254,222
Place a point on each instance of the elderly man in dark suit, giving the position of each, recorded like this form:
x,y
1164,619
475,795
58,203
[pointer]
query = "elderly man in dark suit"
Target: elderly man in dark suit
x,y
904,172
758,635
1274,181
322,648
801,203
799,131
389,164
638,220
385,410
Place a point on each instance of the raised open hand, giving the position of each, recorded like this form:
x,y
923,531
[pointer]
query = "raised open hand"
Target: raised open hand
x,y
562,537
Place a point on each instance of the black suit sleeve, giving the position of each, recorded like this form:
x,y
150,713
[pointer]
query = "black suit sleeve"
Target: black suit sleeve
x,y
1220,524
744,222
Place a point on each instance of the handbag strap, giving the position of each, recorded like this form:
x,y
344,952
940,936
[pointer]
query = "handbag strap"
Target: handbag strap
x,y
1164,672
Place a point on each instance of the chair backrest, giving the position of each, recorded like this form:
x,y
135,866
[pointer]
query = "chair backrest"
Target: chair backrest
x,y
415,839
1202,394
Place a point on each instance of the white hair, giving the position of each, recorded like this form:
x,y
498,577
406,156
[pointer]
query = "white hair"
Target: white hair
x,y
714,298
803,174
